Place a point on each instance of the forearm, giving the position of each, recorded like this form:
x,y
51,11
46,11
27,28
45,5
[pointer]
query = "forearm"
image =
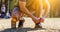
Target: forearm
x,y
25,10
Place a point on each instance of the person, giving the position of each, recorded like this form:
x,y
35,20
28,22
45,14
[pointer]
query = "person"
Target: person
x,y
3,10
16,16
42,5
7,15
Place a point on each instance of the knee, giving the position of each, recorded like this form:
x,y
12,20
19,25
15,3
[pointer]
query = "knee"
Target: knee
x,y
14,20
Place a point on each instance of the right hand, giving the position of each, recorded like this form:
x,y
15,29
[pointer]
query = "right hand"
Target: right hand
x,y
41,20
36,20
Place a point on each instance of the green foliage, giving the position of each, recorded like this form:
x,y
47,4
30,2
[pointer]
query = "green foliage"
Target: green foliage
x,y
13,3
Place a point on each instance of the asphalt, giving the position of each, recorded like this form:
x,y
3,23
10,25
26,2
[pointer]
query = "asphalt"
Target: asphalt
x,y
50,25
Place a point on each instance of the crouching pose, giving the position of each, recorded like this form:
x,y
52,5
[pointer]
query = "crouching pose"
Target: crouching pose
x,y
16,16
41,5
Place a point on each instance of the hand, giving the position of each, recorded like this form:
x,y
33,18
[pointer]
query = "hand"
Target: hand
x,y
36,20
41,20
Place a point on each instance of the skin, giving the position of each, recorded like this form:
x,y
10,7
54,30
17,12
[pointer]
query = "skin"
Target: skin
x,y
43,4
15,19
39,8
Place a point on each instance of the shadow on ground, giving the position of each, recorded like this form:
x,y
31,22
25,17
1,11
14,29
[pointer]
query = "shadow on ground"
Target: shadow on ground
x,y
21,29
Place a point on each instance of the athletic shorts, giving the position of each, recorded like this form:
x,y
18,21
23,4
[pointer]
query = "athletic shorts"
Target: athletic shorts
x,y
15,12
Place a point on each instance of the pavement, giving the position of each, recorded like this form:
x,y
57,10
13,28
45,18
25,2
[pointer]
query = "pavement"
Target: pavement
x,y
50,25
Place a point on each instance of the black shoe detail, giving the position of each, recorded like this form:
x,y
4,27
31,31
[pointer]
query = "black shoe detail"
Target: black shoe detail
x,y
21,23
37,25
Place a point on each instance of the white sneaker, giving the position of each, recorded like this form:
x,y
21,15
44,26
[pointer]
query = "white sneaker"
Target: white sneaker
x,y
38,25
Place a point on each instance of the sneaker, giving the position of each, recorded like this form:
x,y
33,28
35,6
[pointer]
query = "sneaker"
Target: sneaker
x,y
38,25
20,25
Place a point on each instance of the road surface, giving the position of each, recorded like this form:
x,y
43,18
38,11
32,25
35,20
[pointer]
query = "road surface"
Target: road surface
x,y
51,24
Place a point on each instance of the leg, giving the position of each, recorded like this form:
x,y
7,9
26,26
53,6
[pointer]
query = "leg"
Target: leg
x,y
39,14
21,23
13,23
21,20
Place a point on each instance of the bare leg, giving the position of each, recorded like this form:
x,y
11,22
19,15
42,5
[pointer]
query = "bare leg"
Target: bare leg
x,y
13,23
21,20
38,13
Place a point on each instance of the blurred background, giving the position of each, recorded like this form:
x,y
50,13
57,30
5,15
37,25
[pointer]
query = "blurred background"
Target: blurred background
x,y
54,10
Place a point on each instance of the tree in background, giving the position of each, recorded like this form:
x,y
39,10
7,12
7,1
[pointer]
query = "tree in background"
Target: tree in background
x,y
55,8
